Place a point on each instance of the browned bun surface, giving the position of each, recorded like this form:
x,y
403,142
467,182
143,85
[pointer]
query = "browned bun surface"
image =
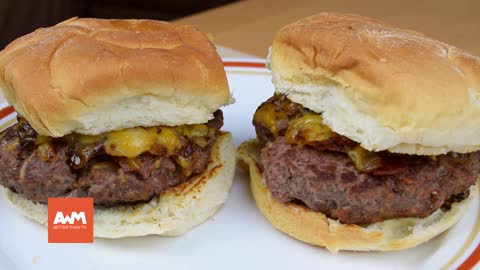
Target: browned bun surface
x,y
384,87
91,75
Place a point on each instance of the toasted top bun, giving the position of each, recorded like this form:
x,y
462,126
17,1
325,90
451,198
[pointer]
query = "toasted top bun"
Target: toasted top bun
x,y
174,212
90,76
301,223
384,87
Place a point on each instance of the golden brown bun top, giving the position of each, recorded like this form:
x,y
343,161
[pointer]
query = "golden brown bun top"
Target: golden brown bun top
x,y
92,75
385,87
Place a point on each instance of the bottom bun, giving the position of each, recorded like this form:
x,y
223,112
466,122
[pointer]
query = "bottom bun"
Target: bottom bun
x,y
317,229
173,213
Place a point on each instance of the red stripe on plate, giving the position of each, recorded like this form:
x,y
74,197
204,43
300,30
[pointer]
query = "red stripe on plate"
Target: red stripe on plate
x,y
244,64
472,260
6,111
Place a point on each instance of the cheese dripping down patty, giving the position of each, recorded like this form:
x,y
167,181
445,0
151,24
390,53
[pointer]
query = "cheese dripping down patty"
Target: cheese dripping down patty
x,y
303,127
280,117
159,140
182,144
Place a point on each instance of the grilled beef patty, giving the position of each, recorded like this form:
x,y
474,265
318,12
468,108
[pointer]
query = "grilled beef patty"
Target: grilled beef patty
x,y
324,177
328,182
105,178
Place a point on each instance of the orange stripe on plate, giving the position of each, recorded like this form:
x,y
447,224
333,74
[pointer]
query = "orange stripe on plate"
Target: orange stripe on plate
x,y
244,64
6,111
472,260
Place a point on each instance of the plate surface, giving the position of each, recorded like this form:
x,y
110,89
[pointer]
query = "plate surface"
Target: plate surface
x,y
238,237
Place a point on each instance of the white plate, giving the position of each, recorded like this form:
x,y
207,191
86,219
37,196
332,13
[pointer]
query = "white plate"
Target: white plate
x,y
238,237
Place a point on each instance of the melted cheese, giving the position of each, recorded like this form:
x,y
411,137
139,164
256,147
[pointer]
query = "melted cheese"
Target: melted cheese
x,y
303,127
132,142
307,128
169,139
267,115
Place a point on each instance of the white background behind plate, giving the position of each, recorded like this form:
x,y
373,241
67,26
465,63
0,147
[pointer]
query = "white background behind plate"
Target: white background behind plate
x,y
238,237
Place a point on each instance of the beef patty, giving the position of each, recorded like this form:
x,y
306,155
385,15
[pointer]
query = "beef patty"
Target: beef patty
x,y
328,182
109,180
327,175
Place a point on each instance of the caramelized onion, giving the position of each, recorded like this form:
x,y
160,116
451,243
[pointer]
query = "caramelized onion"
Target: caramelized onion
x,y
77,140
102,165
46,152
82,155
158,163
130,164
364,160
200,141
185,164
26,134
308,129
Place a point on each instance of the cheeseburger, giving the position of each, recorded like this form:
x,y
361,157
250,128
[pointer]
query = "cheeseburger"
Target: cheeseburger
x,y
371,139
123,111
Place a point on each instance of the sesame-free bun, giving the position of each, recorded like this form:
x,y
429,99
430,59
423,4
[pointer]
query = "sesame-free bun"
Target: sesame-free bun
x,y
384,87
174,212
317,229
91,75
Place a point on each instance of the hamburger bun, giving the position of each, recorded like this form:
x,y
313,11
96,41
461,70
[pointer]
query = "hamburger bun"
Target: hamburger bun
x,y
173,213
317,229
384,87
90,76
